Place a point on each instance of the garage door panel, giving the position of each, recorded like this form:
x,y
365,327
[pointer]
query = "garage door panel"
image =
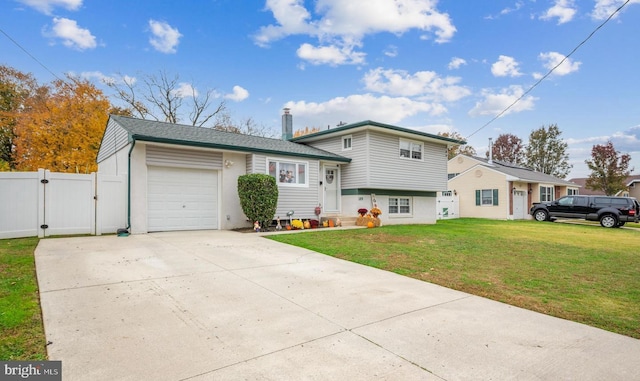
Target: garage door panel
x,y
182,199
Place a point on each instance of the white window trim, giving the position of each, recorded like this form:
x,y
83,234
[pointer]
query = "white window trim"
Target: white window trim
x,y
278,161
400,215
350,137
551,194
482,204
411,142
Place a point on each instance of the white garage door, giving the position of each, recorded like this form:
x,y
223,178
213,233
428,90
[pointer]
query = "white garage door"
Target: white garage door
x,y
182,199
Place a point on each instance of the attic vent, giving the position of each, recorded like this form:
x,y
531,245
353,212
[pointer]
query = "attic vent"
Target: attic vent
x,y
478,173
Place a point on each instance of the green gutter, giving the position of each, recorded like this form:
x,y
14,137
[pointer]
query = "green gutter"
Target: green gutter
x,y
133,144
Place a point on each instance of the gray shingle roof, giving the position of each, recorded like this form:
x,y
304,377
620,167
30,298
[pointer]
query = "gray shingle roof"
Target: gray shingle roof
x,y
162,132
525,173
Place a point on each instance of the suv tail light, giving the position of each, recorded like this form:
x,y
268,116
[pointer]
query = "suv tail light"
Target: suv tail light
x,y
632,212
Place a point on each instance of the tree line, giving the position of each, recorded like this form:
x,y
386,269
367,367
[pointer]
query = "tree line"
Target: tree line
x,y
546,152
59,125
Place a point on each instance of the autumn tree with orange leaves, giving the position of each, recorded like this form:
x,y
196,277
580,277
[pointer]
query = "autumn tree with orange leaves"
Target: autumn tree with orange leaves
x,y
58,126
306,131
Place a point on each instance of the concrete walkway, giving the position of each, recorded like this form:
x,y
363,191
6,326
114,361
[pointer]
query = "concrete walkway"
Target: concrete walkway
x,y
219,305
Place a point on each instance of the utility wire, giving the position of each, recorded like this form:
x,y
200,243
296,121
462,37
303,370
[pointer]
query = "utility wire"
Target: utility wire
x,y
30,55
549,72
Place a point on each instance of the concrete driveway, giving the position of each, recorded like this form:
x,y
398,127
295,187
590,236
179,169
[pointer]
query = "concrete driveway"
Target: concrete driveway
x,y
219,305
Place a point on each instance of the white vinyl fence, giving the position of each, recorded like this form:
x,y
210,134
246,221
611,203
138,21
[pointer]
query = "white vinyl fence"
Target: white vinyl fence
x,y
448,205
45,203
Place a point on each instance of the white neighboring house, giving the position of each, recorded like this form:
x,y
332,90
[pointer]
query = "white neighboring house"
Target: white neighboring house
x,y
185,178
493,189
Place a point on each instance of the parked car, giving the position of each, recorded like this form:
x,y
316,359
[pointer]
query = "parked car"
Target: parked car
x,y
610,211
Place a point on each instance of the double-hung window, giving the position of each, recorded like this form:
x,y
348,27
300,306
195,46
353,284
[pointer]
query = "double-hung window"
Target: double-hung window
x,y
346,143
410,149
486,197
546,194
289,173
400,206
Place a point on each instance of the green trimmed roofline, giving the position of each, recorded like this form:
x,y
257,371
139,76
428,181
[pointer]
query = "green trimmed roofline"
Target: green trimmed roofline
x,y
387,192
365,123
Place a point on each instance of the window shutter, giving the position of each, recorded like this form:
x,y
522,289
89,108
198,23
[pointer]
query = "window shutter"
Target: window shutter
x,y
478,198
495,197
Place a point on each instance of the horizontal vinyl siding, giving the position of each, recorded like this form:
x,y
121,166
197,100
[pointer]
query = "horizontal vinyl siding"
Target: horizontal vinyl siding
x,y
114,139
479,178
389,170
302,200
354,174
173,157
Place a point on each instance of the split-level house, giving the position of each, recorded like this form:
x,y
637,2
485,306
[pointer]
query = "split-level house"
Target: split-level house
x,y
183,177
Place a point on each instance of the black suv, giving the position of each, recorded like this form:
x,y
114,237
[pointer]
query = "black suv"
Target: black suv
x,y
612,212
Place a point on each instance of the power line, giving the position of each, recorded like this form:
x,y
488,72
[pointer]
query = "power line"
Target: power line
x,y
30,55
549,72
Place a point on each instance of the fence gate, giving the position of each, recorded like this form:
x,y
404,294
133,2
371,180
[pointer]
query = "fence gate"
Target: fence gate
x,y
448,205
45,203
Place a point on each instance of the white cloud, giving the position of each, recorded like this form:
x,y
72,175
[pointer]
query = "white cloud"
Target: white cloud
x,y
425,84
239,94
164,37
72,35
331,55
185,90
505,67
47,6
603,8
552,59
391,51
506,11
97,75
494,103
341,25
456,62
356,108
563,10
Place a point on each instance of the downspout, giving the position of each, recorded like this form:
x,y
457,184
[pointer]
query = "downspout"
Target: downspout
x,y
125,232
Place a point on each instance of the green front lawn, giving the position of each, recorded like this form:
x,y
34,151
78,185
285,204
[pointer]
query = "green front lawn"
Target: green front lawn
x,y
587,274
21,330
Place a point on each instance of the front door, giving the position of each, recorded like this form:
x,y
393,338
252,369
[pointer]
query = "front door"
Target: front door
x,y
331,184
518,205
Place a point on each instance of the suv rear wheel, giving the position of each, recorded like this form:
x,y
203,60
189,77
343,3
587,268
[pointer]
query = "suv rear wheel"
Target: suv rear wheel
x,y
541,215
608,221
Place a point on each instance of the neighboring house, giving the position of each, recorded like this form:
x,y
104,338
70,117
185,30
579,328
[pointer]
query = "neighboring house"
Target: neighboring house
x,y
492,189
185,178
632,183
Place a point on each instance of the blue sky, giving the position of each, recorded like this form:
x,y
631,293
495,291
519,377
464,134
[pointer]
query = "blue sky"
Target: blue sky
x,y
433,66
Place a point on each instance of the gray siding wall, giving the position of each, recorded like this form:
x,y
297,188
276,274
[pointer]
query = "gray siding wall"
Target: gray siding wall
x,y
302,200
114,139
390,171
356,173
185,158
376,163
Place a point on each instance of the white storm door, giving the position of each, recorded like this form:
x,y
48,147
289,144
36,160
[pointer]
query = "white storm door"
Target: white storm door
x,y
331,184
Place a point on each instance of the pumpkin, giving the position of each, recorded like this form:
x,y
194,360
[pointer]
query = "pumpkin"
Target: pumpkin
x,y
307,224
331,224
370,224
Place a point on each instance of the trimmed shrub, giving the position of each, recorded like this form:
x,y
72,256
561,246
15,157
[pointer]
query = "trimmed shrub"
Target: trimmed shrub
x,y
258,197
